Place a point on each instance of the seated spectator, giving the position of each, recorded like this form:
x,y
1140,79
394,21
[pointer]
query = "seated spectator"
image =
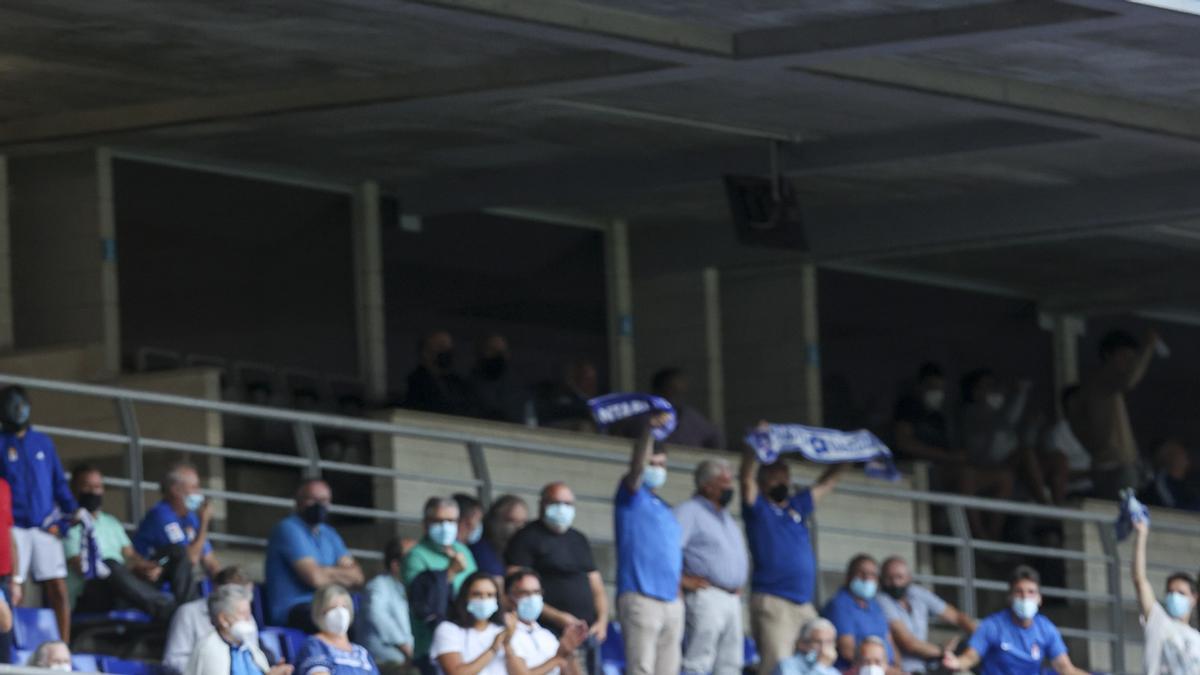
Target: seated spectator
x,y
908,608
1172,645
305,553
386,629
330,651
118,577
871,658
1068,463
176,529
54,655
434,571
691,428
506,515
433,386
538,648
470,519
922,428
191,622
856,613
232,646
816,651
563,404
476,637
1171,486
498,394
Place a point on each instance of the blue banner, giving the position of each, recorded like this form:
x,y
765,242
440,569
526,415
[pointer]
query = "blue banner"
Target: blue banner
x,y
1132,511
826,446
612,408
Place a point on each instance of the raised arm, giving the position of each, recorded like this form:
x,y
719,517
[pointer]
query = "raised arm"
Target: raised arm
x,y
1141,584
1149,343
642,448
195,550
746,475
827,482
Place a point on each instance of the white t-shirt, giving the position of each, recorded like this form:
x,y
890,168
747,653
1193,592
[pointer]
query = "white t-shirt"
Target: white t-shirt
x,y
469,643
1172,647
534,644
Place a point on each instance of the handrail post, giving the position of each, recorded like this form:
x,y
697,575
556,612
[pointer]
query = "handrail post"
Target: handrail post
x,y
966,556
479,468
306,447
1108,540
133,458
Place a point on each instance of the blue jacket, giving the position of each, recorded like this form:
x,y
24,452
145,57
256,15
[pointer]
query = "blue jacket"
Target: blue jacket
x,y
32,469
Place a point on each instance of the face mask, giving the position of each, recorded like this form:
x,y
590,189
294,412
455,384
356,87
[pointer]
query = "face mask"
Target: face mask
x,y
726,497
493,367
529,608
560,515
779,493
811,657
314,514
896,592
863,588
14,411
245,632
65,667
934,399
337,621
871,670
90,501
193,501
482,608
443,533
995,401
444,360
654,477
1178,605
1025,608
476,534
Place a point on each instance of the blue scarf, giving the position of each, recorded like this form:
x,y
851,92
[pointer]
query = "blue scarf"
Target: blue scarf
x,y
825,446
612,408
1132,511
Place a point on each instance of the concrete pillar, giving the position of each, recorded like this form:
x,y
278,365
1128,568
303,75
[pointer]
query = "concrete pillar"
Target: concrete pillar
x,y
712,346
64,252
1065,329
368,289
814,410
6,300
619,283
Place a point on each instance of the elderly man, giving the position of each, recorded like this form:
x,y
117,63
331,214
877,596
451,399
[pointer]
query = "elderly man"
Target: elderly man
x,y
871,657
714,570
232,648
816,650
908,608
191,622
177,529
433,571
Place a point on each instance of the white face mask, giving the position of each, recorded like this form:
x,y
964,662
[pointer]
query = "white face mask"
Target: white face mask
x,y
66,667
871,670
245,632
995,401
337,621
934,398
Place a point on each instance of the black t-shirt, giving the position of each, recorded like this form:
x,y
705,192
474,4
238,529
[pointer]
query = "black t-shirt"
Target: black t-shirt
x,y
563,561
929,426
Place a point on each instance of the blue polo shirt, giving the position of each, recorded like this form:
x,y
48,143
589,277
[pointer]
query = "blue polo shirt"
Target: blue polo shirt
x,y
779,544
851,619
1007,648
32,469
649,548
293,540
162,527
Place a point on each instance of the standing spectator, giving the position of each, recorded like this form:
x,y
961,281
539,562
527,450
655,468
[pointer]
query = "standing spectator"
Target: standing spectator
x,y
649,562
191,623
499,396
1101,420
922,428
475,639
908,608
1016,640
52,655
1172,645
785,570
330,651
41,498
1171,487
231,648
9,591
176,529
305,553
871,657
538,648
504,518
816,651
691,428
433,386
123,578
855,612
563,404
1068,463
562,556
386,629
434,571
715,567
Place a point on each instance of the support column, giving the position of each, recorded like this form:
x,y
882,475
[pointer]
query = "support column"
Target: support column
x,y
6,300
620,306
712,347
814,409
1065,329
368,289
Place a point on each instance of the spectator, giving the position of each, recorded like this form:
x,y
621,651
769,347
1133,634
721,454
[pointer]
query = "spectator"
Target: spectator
x,y
649,562
41,499
330,651
922,428
53,655
855,612
815,651
1068,463
118,577
386,629
231,648
715,567
476,637
871,657
1171,487
784,571
10,592
499,396
433,386
1015,641
470,519
563,405
1172,645
691,428
177,529
191,623
305,553
1101,420
504,518
434,571
908,608
537,648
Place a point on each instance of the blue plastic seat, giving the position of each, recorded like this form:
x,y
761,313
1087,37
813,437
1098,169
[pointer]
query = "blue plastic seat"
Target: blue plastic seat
x,y
112,664
290,640
273,643
256,605
85,663
21,657
32,626
612,651
115,616
750,655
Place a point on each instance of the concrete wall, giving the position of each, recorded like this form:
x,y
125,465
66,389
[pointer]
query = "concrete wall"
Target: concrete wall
x,y
6,300
669,331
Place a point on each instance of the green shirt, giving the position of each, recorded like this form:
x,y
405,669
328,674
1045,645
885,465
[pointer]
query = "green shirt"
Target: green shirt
x,y
110,538
424,557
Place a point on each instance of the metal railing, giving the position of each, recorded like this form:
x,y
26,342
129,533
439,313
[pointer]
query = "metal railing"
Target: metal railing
x,y
475,446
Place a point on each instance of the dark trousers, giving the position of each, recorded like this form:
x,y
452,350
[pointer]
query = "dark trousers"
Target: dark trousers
x,y
122,589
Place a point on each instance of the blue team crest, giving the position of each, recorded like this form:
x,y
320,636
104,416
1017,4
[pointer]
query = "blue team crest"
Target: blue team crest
x,y
1036,652
40,455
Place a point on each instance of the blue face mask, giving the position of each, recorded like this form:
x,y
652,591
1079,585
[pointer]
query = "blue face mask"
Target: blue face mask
x,y
863,588
654,477
1025,608
193,501
1178,605
482,608
560,515
443,533
529,608
475,535
811,656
